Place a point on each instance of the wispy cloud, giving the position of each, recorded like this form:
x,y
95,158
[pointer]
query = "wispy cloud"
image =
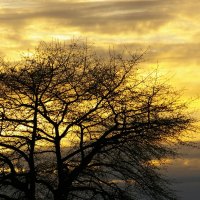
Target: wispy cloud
x,y
107,17
169,27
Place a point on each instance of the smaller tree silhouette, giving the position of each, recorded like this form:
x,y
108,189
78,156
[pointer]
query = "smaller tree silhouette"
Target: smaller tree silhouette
x,y
78,126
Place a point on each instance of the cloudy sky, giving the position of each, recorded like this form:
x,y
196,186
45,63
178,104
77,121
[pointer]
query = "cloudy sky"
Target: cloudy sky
x,y
170,29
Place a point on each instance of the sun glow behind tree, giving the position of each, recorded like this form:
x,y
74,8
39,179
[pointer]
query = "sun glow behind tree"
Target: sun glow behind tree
x,y
102,125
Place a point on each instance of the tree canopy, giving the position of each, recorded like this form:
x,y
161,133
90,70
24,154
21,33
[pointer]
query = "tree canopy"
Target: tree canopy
x,y
76,125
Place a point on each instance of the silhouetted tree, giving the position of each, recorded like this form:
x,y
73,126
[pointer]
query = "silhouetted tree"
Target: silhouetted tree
x,y
75,125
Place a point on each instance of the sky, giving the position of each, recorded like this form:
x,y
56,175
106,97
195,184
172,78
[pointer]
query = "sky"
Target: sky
x,y
169,29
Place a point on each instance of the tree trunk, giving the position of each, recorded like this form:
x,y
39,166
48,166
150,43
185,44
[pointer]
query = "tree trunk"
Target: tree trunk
x,y
61,194
31,157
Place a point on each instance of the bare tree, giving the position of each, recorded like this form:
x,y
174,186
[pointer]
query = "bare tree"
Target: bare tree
x,y
75,125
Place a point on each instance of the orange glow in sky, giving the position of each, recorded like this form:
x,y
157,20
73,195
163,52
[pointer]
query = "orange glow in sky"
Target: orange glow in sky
x,y
170,29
